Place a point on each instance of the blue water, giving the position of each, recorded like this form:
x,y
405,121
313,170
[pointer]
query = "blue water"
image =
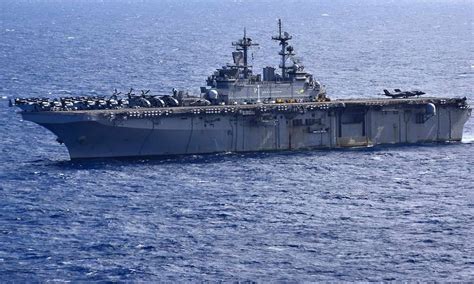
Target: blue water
x,y
388,213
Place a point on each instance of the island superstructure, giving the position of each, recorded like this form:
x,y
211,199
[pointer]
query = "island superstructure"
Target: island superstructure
x,y
239,111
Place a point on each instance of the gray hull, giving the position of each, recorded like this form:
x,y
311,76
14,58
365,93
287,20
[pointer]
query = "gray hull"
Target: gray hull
x,y
179,131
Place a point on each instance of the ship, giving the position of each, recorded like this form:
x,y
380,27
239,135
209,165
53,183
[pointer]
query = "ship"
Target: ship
x,y
283,108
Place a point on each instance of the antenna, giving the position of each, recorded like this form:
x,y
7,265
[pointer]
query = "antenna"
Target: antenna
x,y
279,27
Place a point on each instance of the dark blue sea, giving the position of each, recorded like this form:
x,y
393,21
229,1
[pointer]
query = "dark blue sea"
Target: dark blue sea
x,y
379,214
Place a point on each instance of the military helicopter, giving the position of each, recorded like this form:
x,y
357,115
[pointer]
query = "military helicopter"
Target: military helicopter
x,y
405,94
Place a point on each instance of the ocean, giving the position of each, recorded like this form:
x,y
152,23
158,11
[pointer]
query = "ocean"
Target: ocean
x,y
402,213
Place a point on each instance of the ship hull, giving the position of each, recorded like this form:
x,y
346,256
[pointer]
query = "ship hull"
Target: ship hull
x,y
181,131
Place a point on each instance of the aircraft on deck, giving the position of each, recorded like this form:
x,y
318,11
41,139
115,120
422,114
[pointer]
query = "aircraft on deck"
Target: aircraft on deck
x,y
405,94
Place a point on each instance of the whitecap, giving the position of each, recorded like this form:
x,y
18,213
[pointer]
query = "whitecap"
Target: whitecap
x,y
274,248
324,15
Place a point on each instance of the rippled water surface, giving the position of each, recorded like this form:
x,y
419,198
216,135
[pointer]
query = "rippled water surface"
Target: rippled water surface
x,y
386,213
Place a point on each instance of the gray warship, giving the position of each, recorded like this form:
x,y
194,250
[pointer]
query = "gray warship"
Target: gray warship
x,y
283,108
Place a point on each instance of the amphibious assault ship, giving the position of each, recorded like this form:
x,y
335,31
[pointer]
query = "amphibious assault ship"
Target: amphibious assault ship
x,y
239,111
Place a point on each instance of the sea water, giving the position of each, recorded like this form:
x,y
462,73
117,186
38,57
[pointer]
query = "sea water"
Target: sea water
x,y
377,214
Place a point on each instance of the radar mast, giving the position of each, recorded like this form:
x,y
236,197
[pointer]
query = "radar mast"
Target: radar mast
x,y
286,50
243,45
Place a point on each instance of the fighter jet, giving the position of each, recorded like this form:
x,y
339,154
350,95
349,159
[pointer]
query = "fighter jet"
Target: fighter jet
x,y
405,94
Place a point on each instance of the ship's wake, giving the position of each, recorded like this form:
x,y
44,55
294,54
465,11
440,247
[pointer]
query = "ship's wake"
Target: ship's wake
x,y
468,139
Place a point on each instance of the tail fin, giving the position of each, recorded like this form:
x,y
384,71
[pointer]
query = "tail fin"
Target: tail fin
x,y
386,92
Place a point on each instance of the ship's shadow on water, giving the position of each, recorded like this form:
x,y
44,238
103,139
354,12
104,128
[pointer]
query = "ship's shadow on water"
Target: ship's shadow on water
x,y
216,158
